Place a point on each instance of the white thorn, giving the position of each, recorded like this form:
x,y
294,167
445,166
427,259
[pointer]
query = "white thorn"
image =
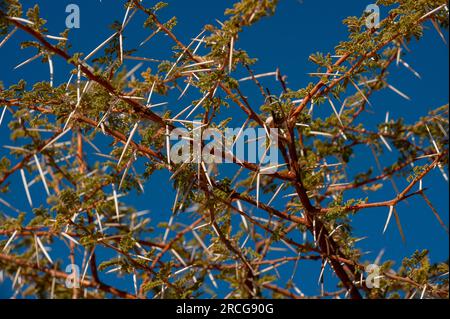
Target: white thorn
x,y
391,210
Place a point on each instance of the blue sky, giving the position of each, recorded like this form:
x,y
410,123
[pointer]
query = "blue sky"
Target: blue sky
x,y
298,29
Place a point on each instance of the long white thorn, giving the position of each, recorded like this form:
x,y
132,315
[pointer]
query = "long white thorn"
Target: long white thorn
x,y
185,89
258,76
149,37
391,210
150,94
322,271
3,115
25,185
55,139
275,194
258,181
432,11
21,20
121,47
128,143
206,173
230,62
385,143
406,65
99,222
125,172
9,241
99,47
116,202
422,295
403,95
433,140
8,36
336,112
55,37
29,60
168,146
198,104
41,173
436,26
43,249
361,92
51,70
70,238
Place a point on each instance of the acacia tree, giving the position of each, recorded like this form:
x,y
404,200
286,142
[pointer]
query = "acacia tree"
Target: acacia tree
x,y
91,141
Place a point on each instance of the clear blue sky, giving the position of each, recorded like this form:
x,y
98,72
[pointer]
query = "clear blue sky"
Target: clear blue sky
x,y
298,29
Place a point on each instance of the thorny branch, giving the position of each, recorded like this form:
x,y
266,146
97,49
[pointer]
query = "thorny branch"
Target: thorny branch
x,y
82,213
